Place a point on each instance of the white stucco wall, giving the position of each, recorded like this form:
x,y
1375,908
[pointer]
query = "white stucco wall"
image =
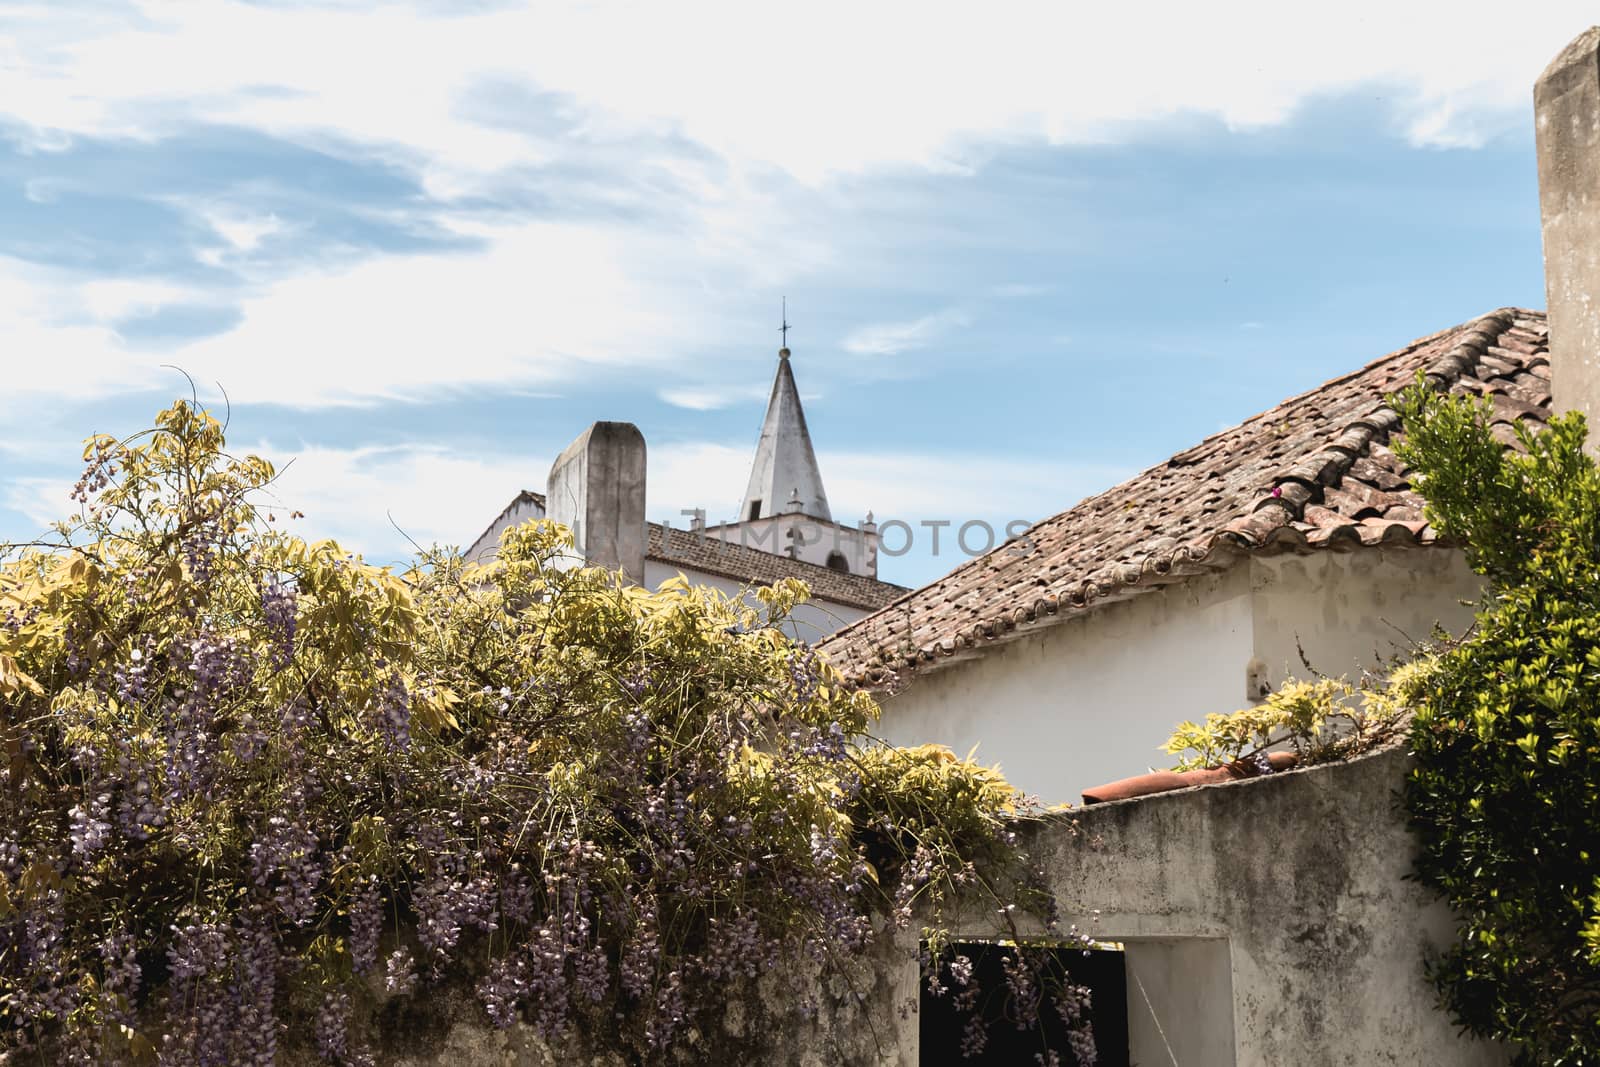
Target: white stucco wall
x,y
1354,610
811,621
523,510
1091,699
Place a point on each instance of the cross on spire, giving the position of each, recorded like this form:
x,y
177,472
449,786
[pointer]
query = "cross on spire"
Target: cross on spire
x,y
784,329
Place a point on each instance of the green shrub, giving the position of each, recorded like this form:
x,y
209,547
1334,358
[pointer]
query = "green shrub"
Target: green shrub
x,y
1313,719
1505,796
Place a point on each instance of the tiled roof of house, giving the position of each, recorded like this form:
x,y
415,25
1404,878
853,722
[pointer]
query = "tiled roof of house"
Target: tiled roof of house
x,y
741,563
1314,472
684,548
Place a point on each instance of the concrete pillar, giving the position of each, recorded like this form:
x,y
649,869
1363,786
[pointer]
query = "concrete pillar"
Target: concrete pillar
x,y
596,488
1566,102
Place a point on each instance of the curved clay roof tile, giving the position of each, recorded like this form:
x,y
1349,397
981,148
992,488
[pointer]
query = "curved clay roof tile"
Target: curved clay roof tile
x,y
1311,474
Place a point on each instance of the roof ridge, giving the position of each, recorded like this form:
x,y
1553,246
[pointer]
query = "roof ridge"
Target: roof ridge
x,y
689,549
1271,512
734,548
1299,485
1329,481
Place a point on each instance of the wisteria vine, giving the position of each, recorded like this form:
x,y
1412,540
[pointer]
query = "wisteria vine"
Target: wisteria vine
x,y
256,788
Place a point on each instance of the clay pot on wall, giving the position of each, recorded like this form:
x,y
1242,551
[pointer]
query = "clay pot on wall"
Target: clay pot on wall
x,y
1166,781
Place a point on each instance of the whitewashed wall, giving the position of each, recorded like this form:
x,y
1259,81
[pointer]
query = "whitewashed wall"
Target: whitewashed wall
x,y
1091,699
1355,609
488,543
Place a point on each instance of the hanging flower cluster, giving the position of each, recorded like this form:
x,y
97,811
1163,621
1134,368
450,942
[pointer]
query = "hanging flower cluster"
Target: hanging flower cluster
x,y
253,787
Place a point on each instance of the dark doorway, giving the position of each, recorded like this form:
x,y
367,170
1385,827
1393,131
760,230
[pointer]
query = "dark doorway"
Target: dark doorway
x,y
943,1025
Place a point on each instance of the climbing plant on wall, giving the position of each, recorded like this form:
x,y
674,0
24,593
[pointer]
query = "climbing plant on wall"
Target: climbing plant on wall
x,y
251,787
1505,796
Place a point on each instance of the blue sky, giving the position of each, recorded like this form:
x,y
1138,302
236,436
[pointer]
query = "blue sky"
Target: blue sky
x,y
1026,253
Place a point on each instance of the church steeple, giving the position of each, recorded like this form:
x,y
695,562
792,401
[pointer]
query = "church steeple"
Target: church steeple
x,y
785,478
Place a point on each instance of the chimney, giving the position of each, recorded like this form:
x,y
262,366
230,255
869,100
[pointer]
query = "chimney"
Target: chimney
x,y
596,488
1566,104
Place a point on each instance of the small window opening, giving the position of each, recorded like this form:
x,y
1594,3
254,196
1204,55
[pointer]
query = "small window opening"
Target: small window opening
x,y
755,511
837,562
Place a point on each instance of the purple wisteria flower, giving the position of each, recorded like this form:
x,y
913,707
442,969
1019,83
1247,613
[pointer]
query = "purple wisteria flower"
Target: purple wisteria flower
x,y
91,827
279,605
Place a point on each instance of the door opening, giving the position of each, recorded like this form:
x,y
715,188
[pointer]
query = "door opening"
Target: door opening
x,y
944,1023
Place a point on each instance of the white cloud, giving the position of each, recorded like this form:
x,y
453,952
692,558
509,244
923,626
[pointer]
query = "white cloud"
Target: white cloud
x,y
908,84
111,300
909,486
711,397
697,474
57,342
541,303
434,494
846,87
40,500
41,190
244,231
370,499
892,338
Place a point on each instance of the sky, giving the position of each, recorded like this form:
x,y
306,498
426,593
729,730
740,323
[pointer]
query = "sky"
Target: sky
x,y
413,248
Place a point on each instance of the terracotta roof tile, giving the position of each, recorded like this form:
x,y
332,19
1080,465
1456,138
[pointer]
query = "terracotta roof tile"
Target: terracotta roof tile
x,y
1314,472
684,548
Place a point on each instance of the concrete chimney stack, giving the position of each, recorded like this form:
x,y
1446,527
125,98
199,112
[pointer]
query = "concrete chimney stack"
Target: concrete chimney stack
x,y
1566,102
596,488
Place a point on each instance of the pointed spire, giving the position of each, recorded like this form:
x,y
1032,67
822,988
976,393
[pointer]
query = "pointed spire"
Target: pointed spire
x,y
785,471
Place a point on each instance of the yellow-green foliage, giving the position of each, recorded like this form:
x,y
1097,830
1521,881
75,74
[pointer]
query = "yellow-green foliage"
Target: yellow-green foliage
x,y
1320,719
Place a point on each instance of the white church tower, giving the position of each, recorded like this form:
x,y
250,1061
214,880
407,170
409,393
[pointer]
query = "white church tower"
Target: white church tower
x,y
785,509
785,472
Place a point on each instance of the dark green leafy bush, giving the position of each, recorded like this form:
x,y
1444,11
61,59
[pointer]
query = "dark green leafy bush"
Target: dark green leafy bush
x,y
1505,796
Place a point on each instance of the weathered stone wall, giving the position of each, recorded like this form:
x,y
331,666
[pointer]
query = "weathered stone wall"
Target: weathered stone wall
x,y
1566,103
861,1015
1277,906
1266,922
